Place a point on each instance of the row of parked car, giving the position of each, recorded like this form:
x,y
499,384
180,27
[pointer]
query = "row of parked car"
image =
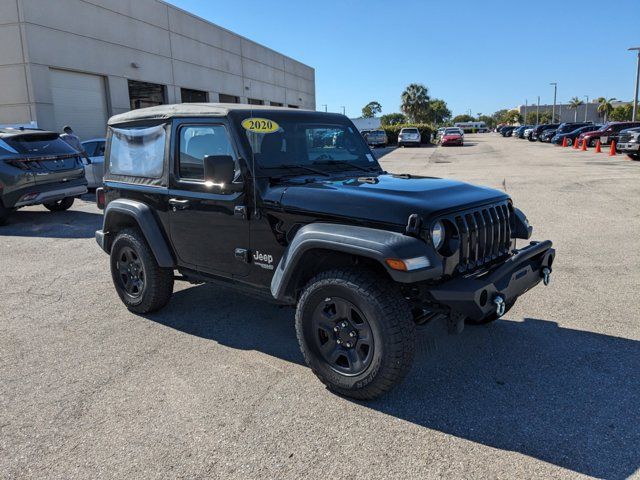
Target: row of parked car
x,y
408,137
626,135
39,168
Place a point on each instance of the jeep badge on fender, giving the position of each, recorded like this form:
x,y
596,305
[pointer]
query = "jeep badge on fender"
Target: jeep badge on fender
x,y
292,204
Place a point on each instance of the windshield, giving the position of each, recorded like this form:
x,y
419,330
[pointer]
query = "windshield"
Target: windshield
x,y
409,130
452,131
303,143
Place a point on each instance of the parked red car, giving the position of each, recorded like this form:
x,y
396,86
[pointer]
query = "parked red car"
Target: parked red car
x,y
606,133
452,136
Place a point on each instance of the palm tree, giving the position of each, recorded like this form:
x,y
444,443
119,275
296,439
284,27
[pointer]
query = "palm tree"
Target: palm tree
x,y
574,103
605,107
415,102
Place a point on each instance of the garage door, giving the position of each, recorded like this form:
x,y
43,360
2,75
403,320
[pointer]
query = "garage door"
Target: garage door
x,y
79,100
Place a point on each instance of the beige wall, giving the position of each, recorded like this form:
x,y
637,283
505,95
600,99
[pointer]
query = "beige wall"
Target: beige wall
x,y
104,37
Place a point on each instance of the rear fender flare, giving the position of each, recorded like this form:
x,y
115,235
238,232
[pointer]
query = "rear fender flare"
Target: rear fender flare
x,y
144,218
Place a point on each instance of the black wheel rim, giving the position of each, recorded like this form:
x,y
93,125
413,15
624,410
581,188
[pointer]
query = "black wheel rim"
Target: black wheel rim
x,y
131,273
342,336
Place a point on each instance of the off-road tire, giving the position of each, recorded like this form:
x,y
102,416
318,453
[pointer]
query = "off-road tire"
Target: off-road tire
x,y
60,205
4,213
158,282
492,317
389,317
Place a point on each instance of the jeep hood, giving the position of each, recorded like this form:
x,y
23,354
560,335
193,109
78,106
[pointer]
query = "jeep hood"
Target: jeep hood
x,y
385,198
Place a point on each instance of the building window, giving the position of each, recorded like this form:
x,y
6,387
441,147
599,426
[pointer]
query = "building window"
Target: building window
x,y
275,104
254,101
193,96
293,106
144,94
224,98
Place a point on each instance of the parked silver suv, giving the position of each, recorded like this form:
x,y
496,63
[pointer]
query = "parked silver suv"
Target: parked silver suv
x,y
629,142
409,136
377,138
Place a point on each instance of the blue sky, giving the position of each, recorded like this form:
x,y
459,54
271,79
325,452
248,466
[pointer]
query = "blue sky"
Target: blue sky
x,y
478,55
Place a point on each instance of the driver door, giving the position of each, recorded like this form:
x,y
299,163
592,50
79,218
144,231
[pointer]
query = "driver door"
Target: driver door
x,y
204,224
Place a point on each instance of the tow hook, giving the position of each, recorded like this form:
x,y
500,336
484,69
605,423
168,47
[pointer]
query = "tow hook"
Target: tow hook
x,y
546,276
501,307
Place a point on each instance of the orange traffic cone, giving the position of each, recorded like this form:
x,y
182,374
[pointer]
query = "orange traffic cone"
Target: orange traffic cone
x,y
564,142
612,150
598,146
584,144
575,144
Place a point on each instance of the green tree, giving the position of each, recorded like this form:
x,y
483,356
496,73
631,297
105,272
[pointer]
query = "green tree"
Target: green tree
x,y
605,107
622,113
415,103
574,103
392,119
488,121
513,116
438,111
463,118
500,116
371,109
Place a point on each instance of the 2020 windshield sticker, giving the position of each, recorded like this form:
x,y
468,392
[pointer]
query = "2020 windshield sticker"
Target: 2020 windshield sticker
x,y
260,125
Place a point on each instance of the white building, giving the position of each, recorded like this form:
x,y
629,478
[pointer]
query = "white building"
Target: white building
x,y
366,123
78,62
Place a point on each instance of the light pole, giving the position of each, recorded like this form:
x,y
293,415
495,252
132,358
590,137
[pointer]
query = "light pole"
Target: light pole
x,y
635,96
586,107
538,112
325,106
555,93
526,104
343,109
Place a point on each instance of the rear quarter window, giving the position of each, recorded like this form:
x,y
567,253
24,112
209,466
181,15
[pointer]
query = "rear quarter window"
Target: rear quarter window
x,y
138,152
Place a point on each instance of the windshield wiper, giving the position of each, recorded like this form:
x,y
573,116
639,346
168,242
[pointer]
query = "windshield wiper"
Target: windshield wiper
x,y
349,164
291,166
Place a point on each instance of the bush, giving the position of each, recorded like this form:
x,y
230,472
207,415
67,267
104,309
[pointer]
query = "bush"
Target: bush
x,y
392,131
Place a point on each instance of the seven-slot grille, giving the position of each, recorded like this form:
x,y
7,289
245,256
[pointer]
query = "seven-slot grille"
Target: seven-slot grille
x,y
484,235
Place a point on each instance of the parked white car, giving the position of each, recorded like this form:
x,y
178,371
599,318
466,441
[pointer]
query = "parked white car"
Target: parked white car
x,y
94,171
409,136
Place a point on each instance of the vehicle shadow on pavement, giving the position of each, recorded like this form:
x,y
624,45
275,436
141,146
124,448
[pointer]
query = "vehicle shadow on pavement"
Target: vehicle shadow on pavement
x,y
567,397
45,224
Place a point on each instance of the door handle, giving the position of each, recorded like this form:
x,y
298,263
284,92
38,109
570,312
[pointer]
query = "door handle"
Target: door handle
x,y
177,204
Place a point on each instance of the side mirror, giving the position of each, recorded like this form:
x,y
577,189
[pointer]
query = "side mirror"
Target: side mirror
x,y
219,169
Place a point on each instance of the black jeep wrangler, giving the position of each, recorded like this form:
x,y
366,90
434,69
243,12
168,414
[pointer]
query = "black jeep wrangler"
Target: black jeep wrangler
x,y
293,205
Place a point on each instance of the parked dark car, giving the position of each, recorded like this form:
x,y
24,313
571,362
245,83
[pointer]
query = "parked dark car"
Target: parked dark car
x,y
547,135
245,197
507,131
607,133
37,167
535,134
571,130
629,142
519,132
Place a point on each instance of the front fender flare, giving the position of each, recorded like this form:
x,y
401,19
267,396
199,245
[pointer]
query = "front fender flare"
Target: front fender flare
x,y
143,216
361,241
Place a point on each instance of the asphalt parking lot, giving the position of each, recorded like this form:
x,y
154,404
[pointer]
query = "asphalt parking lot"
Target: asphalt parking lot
x,y
214,386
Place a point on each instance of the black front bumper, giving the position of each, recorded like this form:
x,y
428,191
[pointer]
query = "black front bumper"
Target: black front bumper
x,y
474,296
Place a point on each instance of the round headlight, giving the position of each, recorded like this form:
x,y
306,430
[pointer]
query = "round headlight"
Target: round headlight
x,y
437,235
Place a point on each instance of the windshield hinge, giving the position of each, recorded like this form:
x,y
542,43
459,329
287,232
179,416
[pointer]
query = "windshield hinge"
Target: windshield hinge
x,y
414,225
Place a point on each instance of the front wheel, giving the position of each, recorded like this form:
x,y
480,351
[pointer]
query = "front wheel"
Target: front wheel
x,y
59,205
356,332
142,285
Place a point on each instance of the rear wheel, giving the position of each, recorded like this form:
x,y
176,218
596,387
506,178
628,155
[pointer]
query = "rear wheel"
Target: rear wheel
x,y
141,284
356,332
60,205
